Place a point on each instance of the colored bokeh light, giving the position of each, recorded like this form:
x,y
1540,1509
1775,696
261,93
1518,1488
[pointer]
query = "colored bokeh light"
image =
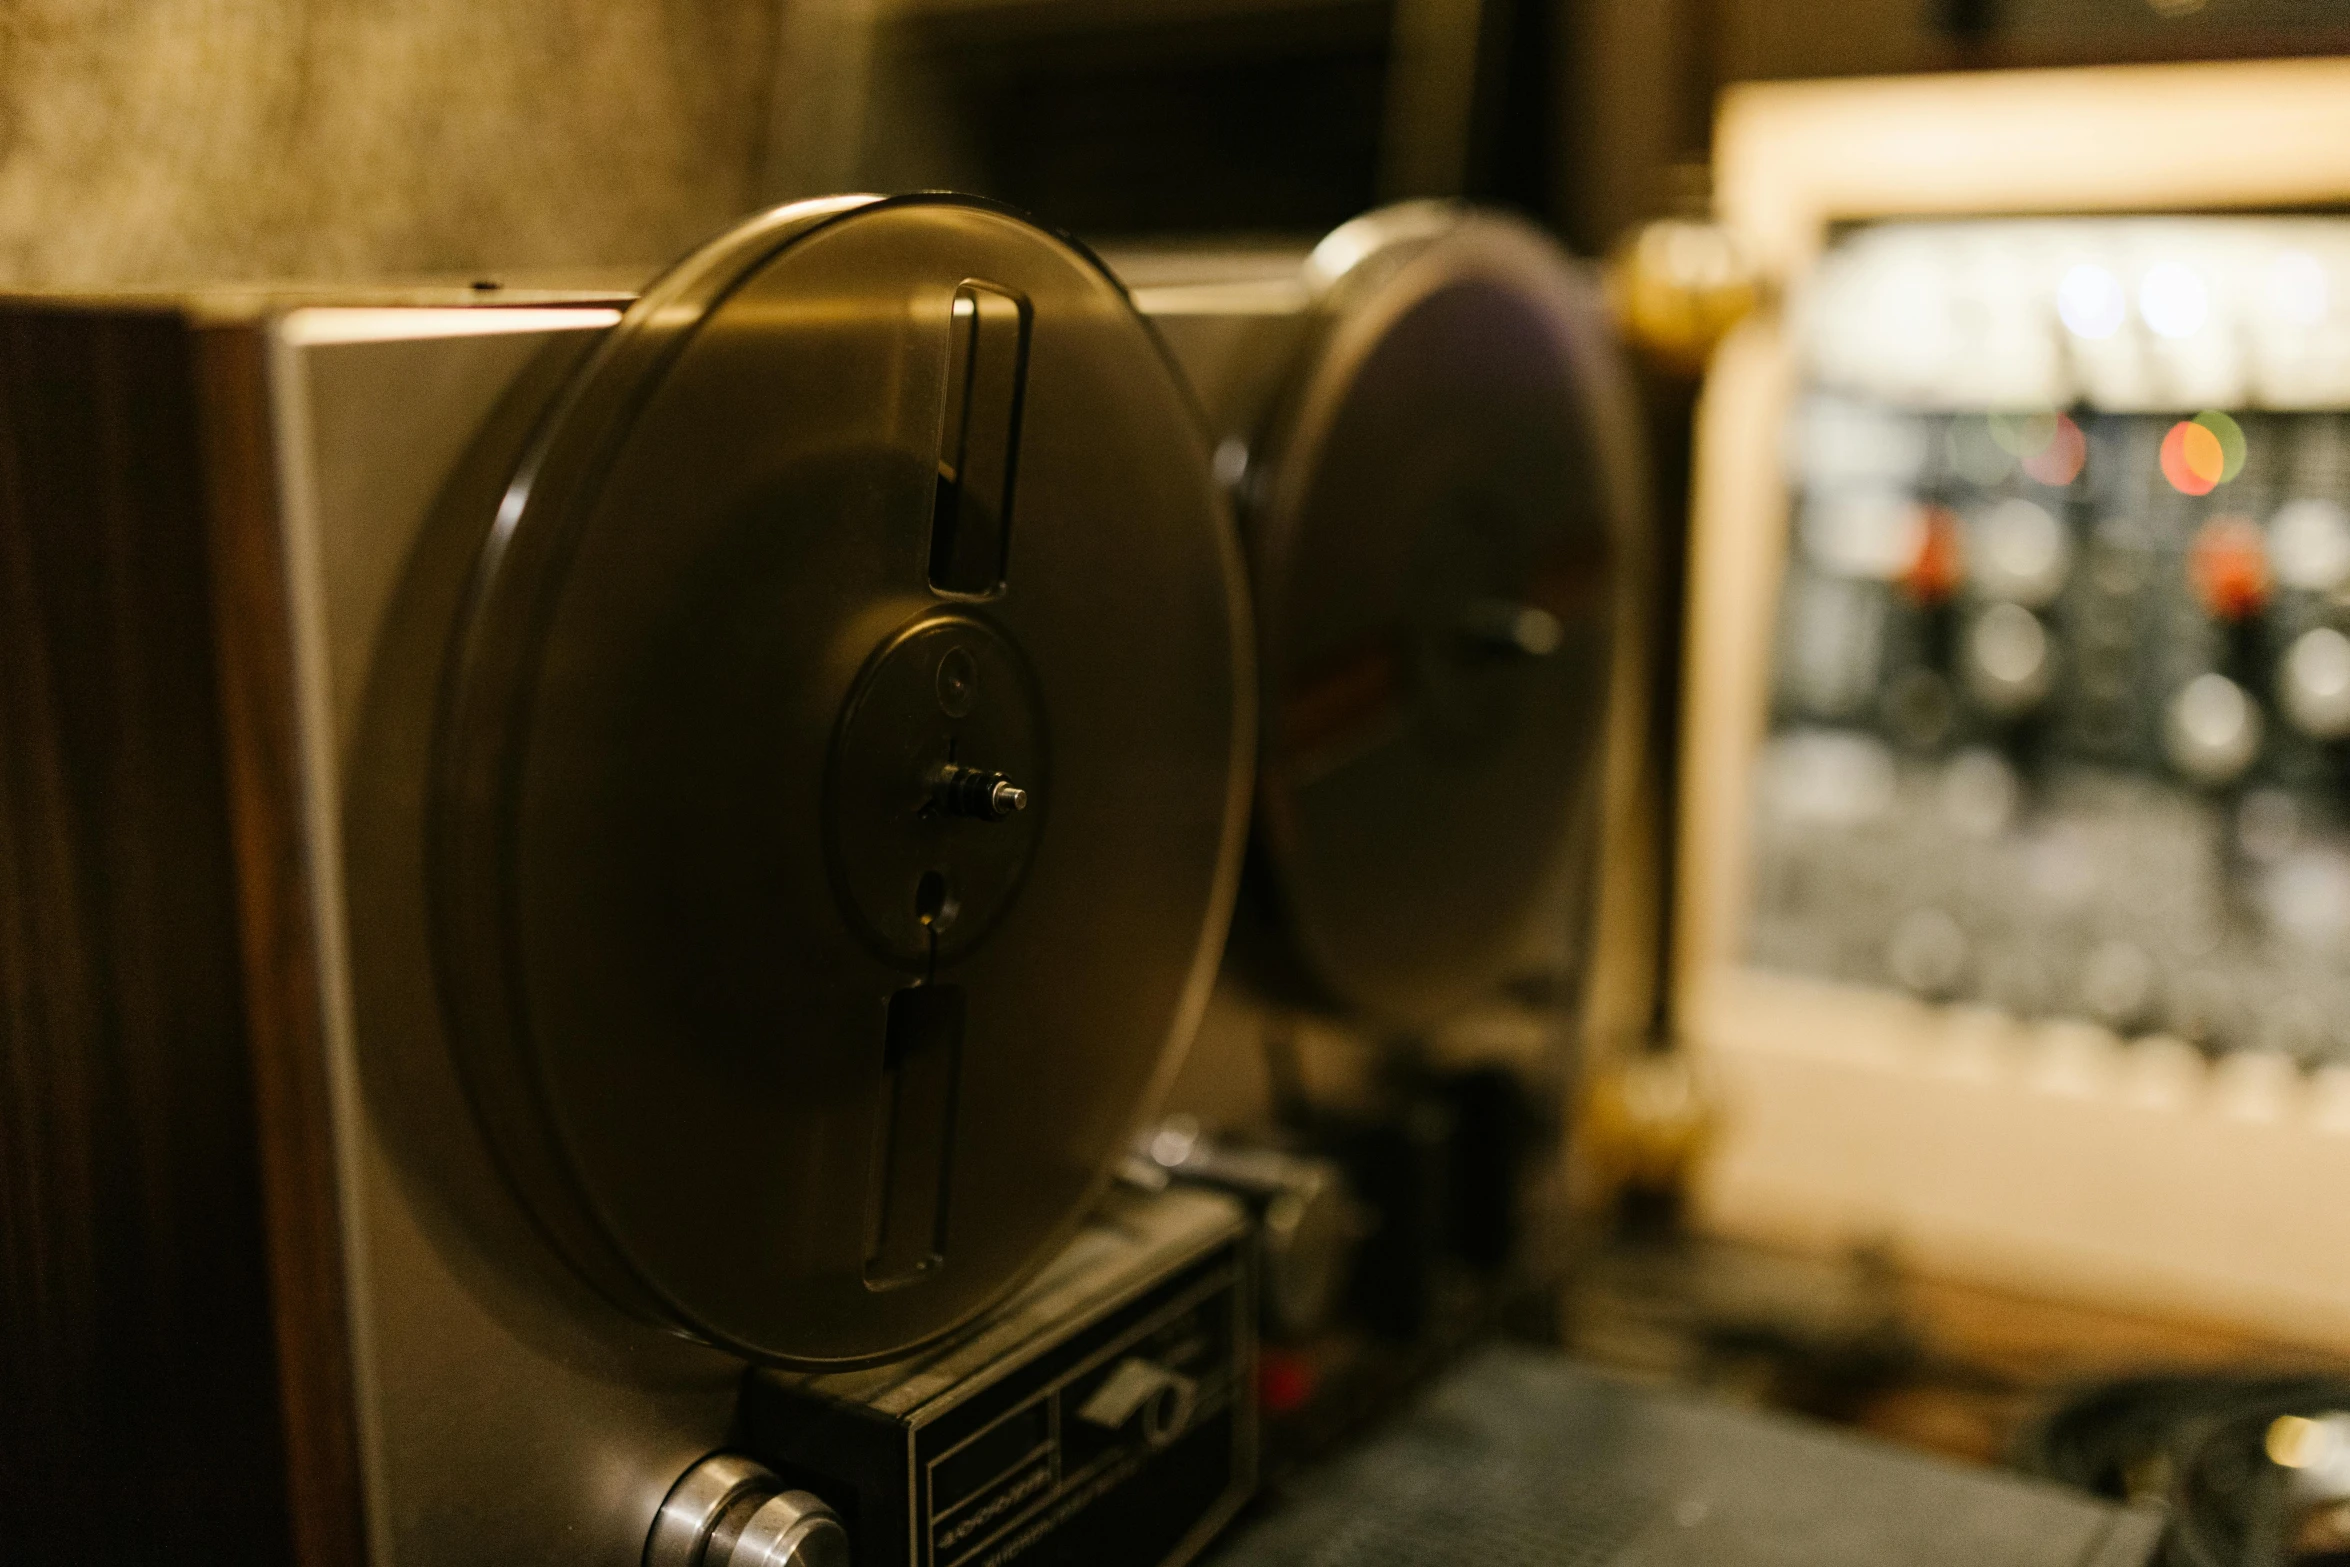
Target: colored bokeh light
x,y
2231,441
2058,462
2203,453
2048,446
2192,458
1934,572
2023,434
2228,567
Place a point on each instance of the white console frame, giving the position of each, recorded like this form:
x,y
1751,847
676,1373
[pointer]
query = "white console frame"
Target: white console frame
x,y
2051,1159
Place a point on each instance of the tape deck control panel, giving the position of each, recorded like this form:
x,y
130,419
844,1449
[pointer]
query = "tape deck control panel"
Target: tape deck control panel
x,y
2061,681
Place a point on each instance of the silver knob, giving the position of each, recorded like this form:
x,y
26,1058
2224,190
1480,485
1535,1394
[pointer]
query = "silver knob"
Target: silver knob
x,y
2314,685
2309,544
2006,660
728,1511
976,793
2211,730
2021,553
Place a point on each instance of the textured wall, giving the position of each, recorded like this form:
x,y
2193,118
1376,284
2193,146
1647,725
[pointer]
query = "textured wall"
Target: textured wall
x,y
161,141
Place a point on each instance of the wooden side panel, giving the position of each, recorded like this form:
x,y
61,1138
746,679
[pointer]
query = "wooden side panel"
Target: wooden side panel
x,y
293,1102
142,1405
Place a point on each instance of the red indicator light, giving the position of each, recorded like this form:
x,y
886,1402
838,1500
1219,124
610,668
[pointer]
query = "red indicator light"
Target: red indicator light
x,y
2058,463
2228,567
1285,1381
1935,571
2048,446
2192,458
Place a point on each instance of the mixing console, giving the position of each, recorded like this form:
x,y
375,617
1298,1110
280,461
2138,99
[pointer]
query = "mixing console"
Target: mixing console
x,y
2060,698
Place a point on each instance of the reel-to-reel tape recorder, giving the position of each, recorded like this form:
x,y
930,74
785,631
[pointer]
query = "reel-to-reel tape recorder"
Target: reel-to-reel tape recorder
x,y
723,807
598,884
1427,429
735,799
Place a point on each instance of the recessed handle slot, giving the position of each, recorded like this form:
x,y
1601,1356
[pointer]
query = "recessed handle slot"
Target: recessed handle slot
x,y
922,1053
979,440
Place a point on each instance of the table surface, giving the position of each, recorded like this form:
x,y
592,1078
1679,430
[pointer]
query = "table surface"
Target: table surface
x,y
1520,1457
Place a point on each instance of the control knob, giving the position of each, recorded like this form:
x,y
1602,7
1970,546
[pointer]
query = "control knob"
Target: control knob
x,y
728,1511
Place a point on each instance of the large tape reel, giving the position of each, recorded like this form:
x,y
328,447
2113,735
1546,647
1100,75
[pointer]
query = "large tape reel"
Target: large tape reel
x,y
1438,521
869,521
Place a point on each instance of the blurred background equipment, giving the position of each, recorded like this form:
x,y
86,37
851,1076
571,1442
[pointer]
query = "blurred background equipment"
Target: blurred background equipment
x,y
2255,1468
1184,116
192,141
1677,285
2014,906
210,140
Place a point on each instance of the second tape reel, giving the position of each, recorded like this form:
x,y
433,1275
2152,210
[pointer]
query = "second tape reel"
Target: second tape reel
x,y
1431,446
